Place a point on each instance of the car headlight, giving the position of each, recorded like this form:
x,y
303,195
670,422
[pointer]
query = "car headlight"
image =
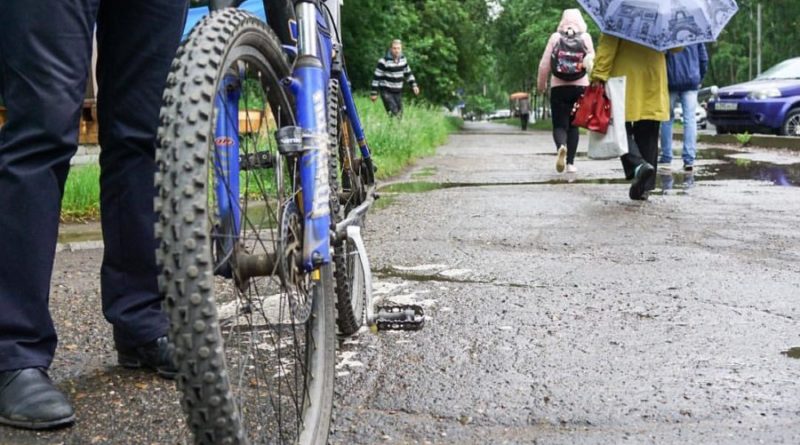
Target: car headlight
x,y
764,94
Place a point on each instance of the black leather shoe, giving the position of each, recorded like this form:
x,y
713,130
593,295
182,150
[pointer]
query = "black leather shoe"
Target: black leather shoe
x,y
28,399
637,191
156,355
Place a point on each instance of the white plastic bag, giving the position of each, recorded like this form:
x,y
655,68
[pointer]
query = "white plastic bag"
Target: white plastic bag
x,y
614,143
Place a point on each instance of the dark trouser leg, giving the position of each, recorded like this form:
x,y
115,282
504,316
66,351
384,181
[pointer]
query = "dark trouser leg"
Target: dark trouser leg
x,y
642,146
562,100
393,102
136,45
523,118
560,116
44,61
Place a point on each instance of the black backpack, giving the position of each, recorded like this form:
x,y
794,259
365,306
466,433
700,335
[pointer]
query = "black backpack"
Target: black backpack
x,y
566,62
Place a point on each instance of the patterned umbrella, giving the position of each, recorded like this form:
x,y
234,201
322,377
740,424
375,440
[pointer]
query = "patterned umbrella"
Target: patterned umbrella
x,y
662,24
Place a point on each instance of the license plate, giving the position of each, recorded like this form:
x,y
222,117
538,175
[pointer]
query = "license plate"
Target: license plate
x,y
725,106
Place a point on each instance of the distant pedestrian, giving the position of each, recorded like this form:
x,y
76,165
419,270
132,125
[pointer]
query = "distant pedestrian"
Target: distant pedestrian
x,y
646,104
524,109
685,72
563,62
391,74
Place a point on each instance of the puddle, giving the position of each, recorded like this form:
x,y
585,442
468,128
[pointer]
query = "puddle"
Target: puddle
x,y
736,165
384,202
713,153
412,187
792,352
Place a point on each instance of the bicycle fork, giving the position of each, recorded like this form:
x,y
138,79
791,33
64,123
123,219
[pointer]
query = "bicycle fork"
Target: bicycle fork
x,y
308,86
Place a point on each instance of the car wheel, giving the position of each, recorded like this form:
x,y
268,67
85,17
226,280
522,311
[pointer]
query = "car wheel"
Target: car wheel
x,y
722,130
791,126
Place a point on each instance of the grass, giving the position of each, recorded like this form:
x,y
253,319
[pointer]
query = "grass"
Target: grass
x,y
82,194
395,144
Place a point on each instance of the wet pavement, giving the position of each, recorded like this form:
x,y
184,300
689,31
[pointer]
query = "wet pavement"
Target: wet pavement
x,y
560,312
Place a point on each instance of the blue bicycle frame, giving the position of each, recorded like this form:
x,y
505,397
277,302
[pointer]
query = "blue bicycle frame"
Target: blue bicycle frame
x,y
313,68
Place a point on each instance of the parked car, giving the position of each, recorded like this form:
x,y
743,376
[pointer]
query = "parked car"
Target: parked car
x,y
700,115
500,114
770,103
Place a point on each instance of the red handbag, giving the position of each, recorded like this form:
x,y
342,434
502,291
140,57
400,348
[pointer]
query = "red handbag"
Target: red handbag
x,y
593,110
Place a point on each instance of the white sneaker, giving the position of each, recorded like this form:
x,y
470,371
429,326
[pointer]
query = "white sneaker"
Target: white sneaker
x,y
571,168
562,159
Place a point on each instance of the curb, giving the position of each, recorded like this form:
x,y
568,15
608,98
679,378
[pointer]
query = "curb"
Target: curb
x,y
762,141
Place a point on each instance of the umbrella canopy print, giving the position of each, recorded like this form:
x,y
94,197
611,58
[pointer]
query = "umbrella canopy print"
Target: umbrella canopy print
x,y
662,24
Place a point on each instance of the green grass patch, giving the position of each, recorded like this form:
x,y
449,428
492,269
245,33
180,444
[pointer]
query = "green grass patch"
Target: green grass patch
x,y
395,144
81,194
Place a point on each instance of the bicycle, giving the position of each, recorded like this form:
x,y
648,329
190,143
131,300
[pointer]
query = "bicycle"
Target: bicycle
x,y
264,177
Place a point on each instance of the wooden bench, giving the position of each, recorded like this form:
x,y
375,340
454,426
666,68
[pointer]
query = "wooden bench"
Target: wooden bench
x,y
88,124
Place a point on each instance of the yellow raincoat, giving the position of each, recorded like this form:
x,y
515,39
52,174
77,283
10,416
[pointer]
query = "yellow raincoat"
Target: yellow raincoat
x,y
645,69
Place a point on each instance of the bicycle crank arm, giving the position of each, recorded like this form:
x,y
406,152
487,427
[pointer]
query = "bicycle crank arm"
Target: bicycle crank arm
x,y
352,218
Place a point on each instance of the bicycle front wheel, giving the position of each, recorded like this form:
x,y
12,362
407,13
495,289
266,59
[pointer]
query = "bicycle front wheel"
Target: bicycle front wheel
x,y
254,334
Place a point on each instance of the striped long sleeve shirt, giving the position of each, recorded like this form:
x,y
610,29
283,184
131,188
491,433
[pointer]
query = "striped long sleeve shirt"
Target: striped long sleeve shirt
x,y
390,75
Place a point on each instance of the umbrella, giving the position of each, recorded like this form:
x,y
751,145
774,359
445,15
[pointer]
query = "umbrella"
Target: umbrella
x,y
518,95
662,24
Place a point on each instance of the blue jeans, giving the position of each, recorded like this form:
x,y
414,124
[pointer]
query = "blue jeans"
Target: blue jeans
x,y
689,104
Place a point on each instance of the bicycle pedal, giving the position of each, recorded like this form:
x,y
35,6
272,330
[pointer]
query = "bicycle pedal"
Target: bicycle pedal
x,y
403,317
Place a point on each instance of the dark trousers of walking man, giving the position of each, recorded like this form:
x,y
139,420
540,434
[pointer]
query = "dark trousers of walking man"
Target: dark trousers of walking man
x,y
45,56
393,102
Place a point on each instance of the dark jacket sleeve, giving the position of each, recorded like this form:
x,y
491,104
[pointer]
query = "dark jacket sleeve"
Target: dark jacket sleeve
x,y
703,56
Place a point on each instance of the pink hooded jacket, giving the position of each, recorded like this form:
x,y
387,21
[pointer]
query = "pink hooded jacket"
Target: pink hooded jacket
x,y
571,18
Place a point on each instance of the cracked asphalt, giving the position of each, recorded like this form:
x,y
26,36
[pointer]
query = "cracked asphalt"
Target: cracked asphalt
x,y
559,311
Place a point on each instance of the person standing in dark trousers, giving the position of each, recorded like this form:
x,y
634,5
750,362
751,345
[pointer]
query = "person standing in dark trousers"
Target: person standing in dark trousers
x,y
563,62
524,112
391,74
45,59
646,104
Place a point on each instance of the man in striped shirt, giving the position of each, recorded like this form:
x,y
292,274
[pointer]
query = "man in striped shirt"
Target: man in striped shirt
x,y
390,74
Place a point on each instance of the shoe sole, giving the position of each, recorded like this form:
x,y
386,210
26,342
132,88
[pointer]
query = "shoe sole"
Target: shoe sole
x,y
637,192
561,162
47,425
130,363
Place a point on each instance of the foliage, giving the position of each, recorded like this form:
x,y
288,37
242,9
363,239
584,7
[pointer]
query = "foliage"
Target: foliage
x,y
445,42
744,138
458,47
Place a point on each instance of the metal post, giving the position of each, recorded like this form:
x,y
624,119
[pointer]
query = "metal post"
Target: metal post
x,y
750,51
758,41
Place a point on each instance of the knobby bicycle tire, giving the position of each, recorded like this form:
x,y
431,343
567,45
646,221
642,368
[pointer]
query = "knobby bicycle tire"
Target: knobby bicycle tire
x,y
350,292
222,359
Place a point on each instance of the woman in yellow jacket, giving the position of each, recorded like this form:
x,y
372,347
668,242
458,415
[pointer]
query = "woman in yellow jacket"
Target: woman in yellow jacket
x,y
646,104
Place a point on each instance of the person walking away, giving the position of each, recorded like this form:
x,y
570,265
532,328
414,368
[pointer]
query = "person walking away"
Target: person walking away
x,y
685,72
563,62
646,104
390,75
44,66
524,112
